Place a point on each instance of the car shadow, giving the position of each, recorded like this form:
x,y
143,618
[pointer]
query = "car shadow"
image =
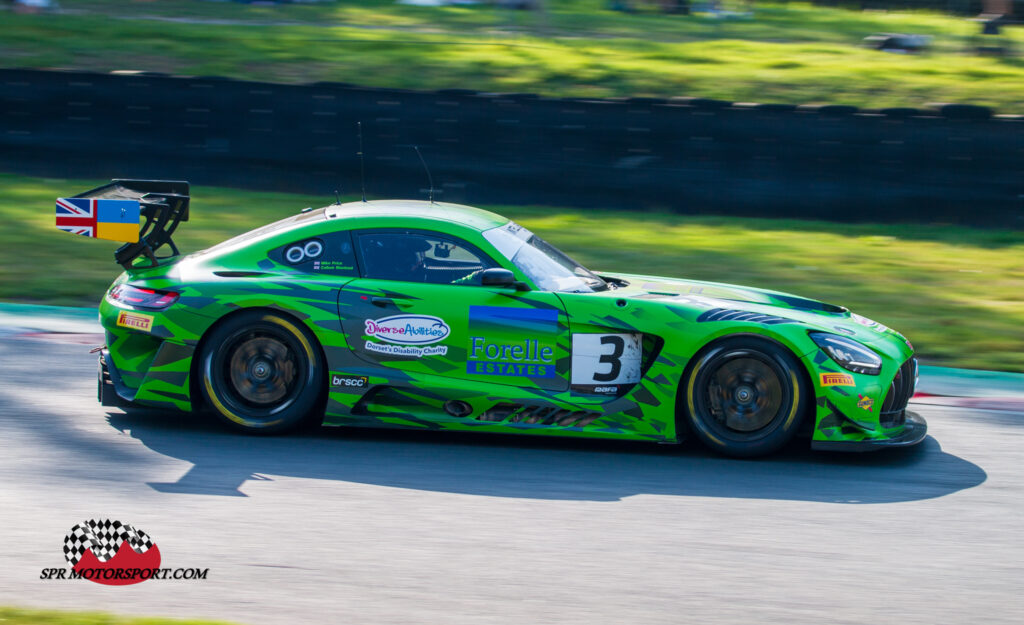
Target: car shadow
x,y
537,467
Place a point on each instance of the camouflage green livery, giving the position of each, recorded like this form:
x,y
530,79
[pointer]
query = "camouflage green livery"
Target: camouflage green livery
x,y
467,356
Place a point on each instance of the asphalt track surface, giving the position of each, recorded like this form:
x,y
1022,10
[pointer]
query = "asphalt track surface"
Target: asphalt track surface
x,y
353,526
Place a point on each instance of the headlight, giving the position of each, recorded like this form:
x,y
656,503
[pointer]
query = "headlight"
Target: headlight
x,y
848,354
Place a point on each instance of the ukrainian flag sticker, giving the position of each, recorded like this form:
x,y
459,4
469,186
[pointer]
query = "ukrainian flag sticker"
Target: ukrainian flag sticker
x,y
117,220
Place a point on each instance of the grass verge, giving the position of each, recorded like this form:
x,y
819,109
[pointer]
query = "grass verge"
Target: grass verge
x,y
957,293
790,53
24,616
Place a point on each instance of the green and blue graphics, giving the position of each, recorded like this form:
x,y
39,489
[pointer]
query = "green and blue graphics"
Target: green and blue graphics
x,y
512,341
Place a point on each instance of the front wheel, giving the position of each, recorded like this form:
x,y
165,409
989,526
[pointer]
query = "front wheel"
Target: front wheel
x,y
745,397
261,372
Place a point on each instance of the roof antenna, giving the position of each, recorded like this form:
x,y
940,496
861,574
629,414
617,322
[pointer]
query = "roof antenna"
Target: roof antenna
x,y
362,169
337,197
429,177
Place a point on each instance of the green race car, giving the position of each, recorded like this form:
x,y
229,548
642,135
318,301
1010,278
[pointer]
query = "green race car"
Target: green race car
x,y
430,315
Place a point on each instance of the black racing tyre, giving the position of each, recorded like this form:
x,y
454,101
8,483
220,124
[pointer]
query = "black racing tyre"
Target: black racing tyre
x,y
261,372
744,397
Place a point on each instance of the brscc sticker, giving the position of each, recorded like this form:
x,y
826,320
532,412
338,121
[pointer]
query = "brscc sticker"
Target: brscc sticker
x,y
340,380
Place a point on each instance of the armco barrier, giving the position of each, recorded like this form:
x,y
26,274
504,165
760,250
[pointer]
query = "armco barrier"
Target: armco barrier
x,y
952,163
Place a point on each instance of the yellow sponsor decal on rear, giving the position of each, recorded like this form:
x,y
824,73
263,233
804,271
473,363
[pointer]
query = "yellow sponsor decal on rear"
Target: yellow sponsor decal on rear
x,y
134,321
837,379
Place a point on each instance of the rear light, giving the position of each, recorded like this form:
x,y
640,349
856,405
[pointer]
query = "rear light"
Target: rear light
x,y
142,298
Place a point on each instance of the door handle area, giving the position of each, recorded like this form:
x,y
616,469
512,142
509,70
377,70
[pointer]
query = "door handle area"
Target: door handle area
x,y
382,301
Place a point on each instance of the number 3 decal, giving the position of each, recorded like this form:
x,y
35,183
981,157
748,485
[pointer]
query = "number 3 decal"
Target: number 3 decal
x,y
605,364
618,346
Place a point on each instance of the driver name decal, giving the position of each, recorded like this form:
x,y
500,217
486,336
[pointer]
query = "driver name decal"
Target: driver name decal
x,y
512,341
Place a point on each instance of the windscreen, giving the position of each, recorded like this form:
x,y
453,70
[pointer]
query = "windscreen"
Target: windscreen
x,y
544,264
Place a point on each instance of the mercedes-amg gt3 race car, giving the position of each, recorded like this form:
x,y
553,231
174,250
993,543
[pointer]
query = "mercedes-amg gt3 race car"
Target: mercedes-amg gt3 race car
x,y
417,314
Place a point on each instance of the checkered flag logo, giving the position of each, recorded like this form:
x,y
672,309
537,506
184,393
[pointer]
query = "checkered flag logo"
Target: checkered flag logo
x,y
104,538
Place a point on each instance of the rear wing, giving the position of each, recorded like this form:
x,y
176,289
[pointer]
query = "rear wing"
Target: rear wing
x,y
116,211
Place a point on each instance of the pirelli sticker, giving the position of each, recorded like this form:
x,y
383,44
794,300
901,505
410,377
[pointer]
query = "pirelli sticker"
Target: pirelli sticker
x,y
135,321
837,379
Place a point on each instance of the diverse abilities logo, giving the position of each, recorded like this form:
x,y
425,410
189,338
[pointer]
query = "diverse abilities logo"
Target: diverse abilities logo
x,y
408,329
113,553
407,335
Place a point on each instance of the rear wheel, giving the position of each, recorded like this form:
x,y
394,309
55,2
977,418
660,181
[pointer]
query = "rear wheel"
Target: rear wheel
x,y
261,372
745,397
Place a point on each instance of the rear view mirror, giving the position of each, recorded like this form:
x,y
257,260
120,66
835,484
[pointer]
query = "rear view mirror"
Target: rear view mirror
x,y
501,278
442,251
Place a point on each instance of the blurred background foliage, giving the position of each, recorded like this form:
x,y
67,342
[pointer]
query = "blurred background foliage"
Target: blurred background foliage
x,y
765,51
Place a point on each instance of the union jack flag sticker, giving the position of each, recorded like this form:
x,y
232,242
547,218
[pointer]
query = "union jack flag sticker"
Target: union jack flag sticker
x,y
77,216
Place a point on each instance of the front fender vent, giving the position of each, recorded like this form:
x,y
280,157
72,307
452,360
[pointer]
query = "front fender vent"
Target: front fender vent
x,y
727,314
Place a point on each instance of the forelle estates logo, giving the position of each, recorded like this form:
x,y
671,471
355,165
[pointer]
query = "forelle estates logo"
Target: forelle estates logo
x,y
116,554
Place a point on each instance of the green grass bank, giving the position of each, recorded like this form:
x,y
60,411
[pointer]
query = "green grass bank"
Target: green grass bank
x,y
782,52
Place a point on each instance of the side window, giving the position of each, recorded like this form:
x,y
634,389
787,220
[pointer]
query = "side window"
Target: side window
x,y
419,257
330,254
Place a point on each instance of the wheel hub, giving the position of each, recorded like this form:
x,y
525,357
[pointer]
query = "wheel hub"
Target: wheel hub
x,y
262,370
745,394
